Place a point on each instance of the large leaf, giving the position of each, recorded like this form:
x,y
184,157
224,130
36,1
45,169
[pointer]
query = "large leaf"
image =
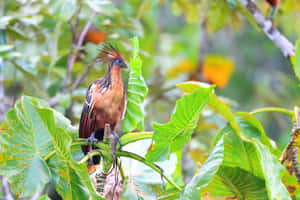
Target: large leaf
x,y
137,91
205,174
218,105
144,182
170,137
296,59
25,142
250,153
72,176
62,10
272,172
31,133
236,183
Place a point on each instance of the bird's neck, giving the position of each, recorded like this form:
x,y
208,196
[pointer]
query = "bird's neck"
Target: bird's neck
x,y
114,74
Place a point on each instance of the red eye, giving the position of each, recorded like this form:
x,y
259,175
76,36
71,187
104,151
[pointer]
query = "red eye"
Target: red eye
x,y
119,62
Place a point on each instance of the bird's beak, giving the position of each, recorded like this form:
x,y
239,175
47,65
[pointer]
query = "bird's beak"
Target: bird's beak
x,y
124,65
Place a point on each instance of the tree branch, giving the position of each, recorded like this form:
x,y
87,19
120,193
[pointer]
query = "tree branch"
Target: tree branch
x,y
73,53
286,47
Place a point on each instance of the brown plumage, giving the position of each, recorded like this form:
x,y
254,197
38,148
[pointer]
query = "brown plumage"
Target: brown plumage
x,y
105,100
273,3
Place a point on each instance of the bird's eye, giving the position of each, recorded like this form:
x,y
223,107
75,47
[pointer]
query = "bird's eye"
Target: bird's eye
x,y
119,61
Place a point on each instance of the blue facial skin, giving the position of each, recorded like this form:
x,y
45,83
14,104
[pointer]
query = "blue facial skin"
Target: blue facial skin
x,y
121,63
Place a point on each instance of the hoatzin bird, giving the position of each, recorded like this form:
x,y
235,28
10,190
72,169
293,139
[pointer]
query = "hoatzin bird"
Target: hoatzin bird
x,y
105,102
273,4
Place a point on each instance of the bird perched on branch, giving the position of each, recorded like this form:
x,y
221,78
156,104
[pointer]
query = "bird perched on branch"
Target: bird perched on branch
x,y
274,5
105,101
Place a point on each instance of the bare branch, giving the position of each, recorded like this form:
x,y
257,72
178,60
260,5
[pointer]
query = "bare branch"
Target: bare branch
x,y
81,78
286,47
6,189
74,51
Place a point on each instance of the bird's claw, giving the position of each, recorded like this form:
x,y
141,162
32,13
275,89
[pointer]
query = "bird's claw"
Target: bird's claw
x,y
92,139
116,140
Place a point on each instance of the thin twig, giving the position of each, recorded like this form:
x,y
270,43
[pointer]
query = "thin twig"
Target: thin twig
x,y
286,47
73,52
80,78
202,52
6,189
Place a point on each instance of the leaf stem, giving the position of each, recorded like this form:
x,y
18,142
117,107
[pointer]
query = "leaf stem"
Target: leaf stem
x,y
121,170
273,109
149,164
126,139
82,141
136,136
49,155
296,112
86,157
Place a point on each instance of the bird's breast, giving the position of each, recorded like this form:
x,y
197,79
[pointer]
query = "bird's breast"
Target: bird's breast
x,y
110,101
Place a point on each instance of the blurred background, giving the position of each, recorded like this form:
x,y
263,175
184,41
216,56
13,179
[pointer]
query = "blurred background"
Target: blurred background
x,y
44,53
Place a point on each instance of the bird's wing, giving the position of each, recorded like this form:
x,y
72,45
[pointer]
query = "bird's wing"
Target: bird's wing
x,y
87,119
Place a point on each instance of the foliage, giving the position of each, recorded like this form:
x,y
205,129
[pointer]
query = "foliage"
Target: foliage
x,y
137,91
205,148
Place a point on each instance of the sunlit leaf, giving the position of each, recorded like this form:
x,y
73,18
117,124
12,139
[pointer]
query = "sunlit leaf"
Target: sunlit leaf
x,y
218,105
44,197
32,132
218,15
25,142
72,176
170,137
205,174
62,10
236,183
272,172
137,91
296,59
104,7
242,152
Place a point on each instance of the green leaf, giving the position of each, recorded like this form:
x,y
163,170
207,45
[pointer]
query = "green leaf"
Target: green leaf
x,y
205,174
62,10
218,105
170,137
218,15
250,152
5,48
71,176
137,91
105,7
296,59
272,171
32,132
230,182
25,141
44,197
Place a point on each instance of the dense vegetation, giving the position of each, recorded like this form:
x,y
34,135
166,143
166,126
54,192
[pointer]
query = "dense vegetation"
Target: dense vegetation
x,y
212,98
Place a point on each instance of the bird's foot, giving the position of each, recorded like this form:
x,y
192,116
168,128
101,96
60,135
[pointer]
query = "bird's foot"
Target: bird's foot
x,y
92,139
116,140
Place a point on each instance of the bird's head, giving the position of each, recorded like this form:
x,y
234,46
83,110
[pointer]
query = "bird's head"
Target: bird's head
x,y
112,55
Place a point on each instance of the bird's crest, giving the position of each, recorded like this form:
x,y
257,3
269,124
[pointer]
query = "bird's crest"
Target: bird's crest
x,y
108,53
